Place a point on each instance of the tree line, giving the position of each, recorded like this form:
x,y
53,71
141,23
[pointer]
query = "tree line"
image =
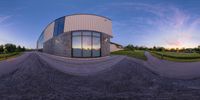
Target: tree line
x,y
185,50
10,48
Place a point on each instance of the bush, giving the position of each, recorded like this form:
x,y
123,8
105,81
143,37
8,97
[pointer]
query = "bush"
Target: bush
x,y
178,55
9,55
1,49
10,47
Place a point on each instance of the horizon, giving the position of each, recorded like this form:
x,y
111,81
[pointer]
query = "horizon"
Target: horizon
x,y
169,24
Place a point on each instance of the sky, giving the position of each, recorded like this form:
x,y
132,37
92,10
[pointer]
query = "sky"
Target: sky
x,y
166,23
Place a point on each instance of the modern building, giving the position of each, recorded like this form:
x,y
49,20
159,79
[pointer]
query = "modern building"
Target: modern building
x,y
78,35
115,47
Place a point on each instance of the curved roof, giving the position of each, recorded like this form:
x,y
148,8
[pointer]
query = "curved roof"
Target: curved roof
x,y
85,14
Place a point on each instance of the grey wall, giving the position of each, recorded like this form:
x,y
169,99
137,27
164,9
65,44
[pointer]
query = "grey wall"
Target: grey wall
x,y
59,45
105,45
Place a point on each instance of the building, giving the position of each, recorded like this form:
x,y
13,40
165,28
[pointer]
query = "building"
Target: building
x,y
115,47
78,35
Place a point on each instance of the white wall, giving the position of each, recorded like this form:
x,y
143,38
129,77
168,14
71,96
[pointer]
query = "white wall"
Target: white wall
x,y
113,48
48,32
88,22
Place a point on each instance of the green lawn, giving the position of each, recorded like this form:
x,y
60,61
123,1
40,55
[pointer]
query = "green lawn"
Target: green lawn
x,y
9,55
178,57
136,53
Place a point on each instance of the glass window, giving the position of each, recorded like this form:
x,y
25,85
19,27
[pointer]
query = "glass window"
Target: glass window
x,y
77,48
86,44
96,47
59,26
76,34
95,34
87,33
40,41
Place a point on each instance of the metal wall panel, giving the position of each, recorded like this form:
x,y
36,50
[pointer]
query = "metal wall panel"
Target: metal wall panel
x,y
88,22
48,32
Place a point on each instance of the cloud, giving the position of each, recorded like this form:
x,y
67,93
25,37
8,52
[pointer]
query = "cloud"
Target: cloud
x,y
156,24
4,18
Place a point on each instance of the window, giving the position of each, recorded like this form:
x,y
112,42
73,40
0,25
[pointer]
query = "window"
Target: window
x,y
59,26
40,41
86,44
76,44
96,47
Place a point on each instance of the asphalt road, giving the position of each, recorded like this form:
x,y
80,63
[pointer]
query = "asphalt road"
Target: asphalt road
x,y
35,79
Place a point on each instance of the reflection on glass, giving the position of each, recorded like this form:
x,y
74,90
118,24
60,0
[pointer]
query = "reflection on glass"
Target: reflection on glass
x,y
40,41
86,44
96,47
95,34
87,33
76,46
59,26
76,33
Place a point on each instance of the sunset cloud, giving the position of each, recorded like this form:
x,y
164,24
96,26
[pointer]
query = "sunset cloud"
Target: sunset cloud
x,y
158,25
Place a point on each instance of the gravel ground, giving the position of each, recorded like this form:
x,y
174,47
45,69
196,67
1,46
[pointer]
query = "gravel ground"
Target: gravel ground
x,y
36,80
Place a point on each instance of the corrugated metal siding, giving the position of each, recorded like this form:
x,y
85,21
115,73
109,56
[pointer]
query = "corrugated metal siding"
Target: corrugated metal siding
x,y
88,22
48,32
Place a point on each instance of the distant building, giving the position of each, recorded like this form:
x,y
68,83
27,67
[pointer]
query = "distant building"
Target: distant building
x,y
115,47
78,35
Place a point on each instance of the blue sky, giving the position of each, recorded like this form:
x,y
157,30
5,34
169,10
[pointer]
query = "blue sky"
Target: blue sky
x,y
168,23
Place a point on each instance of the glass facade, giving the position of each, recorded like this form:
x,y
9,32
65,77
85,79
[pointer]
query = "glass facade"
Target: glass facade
x,y
86,44
59,26
40,41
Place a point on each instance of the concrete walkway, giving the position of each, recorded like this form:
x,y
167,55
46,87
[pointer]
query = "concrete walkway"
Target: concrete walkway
x,y
180,70
80,66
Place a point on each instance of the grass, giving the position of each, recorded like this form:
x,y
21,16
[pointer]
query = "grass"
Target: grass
x,y
178,57
136,53
9,55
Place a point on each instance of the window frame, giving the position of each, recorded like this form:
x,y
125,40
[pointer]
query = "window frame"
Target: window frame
x,y
81,35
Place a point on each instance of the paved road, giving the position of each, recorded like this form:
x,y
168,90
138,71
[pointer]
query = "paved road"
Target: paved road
x,y
35,79
180,70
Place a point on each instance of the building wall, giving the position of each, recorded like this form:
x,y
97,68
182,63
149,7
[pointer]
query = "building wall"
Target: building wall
x,y
48,32
105,45
113,48
88,22
60,45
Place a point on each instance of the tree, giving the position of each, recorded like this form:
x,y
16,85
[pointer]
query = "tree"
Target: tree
x,y
1,48
10,48
129,47
154,48
5,50
199,48
23,49
19,49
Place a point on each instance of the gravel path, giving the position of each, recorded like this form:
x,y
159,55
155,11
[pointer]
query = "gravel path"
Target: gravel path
x,y
81,66
36,80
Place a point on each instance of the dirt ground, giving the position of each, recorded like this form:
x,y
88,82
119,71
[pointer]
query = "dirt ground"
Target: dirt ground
x,y
36,80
